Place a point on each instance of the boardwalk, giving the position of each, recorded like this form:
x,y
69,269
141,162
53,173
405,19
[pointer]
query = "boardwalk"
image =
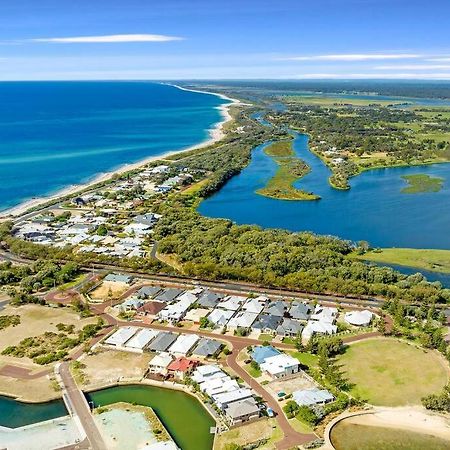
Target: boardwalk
x,y
79,407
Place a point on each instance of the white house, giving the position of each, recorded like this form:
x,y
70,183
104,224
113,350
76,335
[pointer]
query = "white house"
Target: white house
x,y
324,314
314,326
158,365
224,399
121,336
280,366
242,319
183,344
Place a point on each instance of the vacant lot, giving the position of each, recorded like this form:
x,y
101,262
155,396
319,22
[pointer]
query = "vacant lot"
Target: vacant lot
x,y
253,432
108,366
390,372
108,290
34,321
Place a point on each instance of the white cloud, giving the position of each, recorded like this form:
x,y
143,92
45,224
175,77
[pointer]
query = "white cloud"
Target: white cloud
x,y
114,38
415,67
354,57
440,59
394,76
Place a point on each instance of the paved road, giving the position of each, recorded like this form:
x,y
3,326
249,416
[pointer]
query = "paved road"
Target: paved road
x,y
81,408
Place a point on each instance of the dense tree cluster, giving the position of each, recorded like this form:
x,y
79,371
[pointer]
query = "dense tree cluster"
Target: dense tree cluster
x,y
219,249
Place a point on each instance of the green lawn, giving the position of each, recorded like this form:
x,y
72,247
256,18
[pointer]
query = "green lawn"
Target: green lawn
x,y
265,337
427,259
255,373
390,372
305,358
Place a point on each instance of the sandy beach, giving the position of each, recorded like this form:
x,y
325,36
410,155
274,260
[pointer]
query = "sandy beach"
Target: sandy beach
x,y
216,133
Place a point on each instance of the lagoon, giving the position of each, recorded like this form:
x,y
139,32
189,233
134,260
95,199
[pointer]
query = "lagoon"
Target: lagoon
x,y
374,209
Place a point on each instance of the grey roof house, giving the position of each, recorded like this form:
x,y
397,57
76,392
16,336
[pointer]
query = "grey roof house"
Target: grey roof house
x,y
267,322
209,299
168,295
163,341
276,308
300,311
207,347
147,291
289,327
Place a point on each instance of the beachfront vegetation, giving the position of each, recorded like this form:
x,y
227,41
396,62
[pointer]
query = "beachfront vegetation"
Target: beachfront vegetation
x,y
390,372
426,259
422,183
290,169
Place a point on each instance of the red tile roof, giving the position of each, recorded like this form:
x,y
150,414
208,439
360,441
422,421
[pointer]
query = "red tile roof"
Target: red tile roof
x,y
182,364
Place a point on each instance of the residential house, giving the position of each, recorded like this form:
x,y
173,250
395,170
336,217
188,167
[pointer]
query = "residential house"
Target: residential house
x,y
220,317
121,336
315,327
118,278
224,399
232,303
289,327
141,339
267,323
184,344
277,309
181,367
300,311
242,411
168,295
150,308
207,348
163,341
312,397
242,319
209,299
324,314
146,292
255,305
280,366
261,352
159,364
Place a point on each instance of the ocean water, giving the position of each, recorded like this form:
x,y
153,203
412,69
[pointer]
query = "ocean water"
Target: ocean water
x,y
56,134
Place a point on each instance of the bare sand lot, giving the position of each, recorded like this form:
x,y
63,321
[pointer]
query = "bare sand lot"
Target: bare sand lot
x,y
111,366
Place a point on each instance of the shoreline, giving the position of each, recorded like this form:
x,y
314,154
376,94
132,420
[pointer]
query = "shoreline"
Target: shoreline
x,y
216,133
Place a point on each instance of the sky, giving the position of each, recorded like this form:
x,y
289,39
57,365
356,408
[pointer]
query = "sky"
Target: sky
x,y
229,39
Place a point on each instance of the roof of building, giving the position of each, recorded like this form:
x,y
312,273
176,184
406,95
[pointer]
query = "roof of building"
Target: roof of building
x,y
242,408
243,319
208,372
289,326
162,360
142,338
163,341
220,316
313,396
118,278
300,311
321,327
232,396
255,305
152,308
267,322
277,364
324,314
121,336
209,299
148,291
207,347
232,303
183,344
168,295
276,308
182,365
262,352
358,318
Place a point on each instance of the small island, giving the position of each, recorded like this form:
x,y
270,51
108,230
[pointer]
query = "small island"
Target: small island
x,y
422,183
290,169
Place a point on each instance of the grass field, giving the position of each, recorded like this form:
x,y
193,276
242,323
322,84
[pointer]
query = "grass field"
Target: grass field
x,y
427,259
390,372
306,358
422,183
